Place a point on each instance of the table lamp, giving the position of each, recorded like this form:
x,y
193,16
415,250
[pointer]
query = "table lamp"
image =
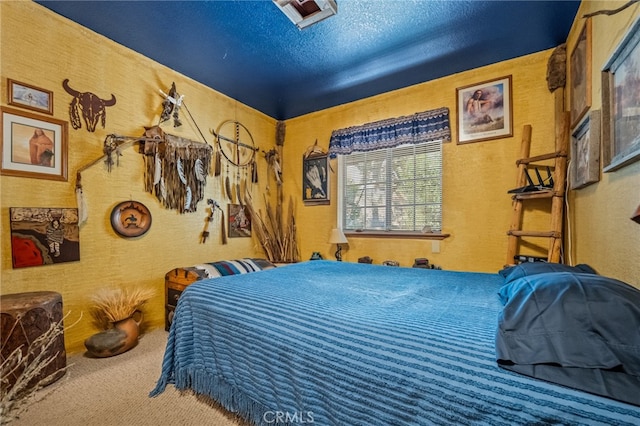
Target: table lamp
x,y
337,237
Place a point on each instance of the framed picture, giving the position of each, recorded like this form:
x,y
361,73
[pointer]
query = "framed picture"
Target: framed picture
x,y
239,221
620,103
585,152
26,96
315,179
33,146
484,111
44,236
580,67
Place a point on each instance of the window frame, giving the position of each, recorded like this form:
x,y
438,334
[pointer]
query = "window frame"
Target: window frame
x,y
439,235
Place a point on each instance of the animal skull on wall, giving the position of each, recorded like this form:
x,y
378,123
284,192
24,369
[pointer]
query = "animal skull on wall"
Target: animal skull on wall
x,y
90,105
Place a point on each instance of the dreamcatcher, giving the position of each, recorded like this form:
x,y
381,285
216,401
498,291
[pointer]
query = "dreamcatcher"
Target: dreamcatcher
x,y
235,144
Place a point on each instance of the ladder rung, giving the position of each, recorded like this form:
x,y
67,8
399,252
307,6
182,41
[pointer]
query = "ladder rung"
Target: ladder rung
x,y
541,157
545,234
547,193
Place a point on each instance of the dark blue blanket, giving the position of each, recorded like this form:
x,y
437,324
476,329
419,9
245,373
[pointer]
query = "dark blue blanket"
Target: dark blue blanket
x,y
346,344
577,329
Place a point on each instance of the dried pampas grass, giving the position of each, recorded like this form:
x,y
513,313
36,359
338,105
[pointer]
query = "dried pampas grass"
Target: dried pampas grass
x,y
113,305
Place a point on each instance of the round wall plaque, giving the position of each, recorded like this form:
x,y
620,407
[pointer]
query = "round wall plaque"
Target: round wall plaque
x,y
130,219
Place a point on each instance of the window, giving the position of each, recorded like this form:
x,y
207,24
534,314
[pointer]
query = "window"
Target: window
x,y
393,190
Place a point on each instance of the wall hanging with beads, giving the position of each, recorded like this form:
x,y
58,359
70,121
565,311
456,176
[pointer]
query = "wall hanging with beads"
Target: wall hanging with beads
x,y
235,146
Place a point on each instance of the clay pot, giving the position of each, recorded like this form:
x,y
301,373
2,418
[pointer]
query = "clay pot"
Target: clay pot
x,y
114,341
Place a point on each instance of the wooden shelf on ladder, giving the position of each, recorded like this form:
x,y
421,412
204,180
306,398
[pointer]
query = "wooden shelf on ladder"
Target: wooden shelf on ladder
x,y
555,193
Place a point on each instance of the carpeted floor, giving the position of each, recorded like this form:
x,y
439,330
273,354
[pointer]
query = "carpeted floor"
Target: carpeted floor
x,y
114,392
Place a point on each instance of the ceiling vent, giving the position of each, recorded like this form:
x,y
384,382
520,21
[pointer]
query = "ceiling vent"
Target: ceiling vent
x,y
304,13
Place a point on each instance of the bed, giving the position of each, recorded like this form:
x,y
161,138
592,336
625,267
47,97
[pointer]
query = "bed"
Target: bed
x,y
337,343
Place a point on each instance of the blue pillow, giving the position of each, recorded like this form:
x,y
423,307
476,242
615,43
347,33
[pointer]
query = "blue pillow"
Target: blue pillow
x,y
526,269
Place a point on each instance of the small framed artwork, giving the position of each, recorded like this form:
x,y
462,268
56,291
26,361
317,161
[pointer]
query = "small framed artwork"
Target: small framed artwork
x,y
621,103
44,236
239,221
315,179
30,97
33,146
585,152
580,63
484,111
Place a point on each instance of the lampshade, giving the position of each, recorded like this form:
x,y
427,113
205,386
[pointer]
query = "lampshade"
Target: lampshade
x,y
337,237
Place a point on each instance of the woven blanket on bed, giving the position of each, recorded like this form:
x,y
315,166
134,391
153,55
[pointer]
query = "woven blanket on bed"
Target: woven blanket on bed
x,y
336,343
234,267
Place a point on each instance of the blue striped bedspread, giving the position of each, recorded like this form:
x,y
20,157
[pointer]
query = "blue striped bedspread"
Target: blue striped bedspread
x,y
346,344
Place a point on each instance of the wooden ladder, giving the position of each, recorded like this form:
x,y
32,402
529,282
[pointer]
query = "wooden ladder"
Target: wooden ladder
x,y
556,193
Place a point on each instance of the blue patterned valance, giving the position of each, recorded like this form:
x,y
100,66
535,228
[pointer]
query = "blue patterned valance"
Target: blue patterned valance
x,y
412,129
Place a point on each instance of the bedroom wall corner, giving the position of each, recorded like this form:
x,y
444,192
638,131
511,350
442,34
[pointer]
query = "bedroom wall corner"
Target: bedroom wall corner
x,y
52,50
601,232
477,176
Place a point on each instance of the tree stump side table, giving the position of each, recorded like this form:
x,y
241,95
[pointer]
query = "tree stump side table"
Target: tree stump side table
x,y
23,318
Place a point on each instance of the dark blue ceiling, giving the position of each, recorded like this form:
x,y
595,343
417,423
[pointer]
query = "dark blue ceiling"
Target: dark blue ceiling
x,y
250,51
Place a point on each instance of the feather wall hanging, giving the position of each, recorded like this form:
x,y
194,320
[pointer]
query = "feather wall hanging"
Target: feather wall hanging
x,y
159,180
176,169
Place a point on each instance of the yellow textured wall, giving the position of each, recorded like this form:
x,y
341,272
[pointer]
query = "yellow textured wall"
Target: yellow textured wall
x,y
477,176
602,235
477,209
53,49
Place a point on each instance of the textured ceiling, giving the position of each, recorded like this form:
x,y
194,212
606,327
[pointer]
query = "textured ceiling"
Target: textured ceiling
x,y
250,51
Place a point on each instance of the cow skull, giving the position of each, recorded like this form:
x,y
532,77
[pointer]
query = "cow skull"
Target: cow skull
x,y
91,106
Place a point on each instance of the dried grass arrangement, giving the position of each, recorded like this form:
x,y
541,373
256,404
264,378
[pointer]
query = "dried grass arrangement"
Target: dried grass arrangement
x,y
113,305
278,241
